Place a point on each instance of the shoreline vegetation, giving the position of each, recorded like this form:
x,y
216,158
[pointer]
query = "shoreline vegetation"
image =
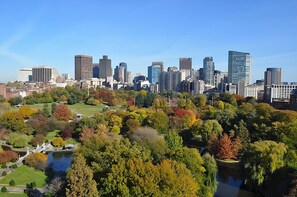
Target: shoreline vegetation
x,y
157,131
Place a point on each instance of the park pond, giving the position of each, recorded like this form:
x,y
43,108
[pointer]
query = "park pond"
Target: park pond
x,y
59,161
230,181
229,177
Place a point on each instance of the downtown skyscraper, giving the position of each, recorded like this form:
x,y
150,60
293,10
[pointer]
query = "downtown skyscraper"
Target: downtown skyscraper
x,y
154,72
105,69
83,67
208,70
239,68
185,65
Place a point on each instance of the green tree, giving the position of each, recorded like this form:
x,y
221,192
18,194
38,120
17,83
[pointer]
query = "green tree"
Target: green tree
x,y
173,140
201,100
80,179
193,161
159,121
150,139
18,140
208,128
261,159
242,132
15,100
210,179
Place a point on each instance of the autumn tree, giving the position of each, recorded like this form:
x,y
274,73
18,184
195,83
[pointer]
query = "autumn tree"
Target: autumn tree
x,y
62,112
6,156
261,159
225,147
80,179
37,139
15,122
138,178
58,142
4,106
213,145
36,160
66,134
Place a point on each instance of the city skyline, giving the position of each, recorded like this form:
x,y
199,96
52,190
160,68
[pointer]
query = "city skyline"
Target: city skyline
x,y
138,33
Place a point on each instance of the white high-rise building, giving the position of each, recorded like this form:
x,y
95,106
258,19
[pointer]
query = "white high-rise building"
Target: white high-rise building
x,y
25,74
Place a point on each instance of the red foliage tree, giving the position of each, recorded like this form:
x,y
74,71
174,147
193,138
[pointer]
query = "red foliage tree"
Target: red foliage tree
x,y
65,134
7,156
62,112
87,133
225,148
236,147
213,144
130,101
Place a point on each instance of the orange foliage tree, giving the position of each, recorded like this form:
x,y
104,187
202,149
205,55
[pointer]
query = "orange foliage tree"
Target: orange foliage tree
x,y
36,160
62,112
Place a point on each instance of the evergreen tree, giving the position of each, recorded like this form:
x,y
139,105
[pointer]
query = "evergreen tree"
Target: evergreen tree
x,y
80,179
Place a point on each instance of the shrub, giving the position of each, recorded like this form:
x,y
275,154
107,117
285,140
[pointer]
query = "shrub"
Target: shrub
x,y
3,189
4,173
12,183
4,166
14,166
33,184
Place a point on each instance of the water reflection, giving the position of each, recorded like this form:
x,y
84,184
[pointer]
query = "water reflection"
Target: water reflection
x,y
230,181
59,161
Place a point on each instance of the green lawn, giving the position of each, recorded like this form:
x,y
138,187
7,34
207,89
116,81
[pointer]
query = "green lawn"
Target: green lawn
x,y
23,175
6,194
86,110
80,108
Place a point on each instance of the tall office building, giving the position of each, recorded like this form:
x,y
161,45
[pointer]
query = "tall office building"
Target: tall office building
x,y
158,64
154,72
44,74
124,65
239,67
25,74
105,68
208,70
83,67
119,74
170,80
96,70
185,64
129,77
272,76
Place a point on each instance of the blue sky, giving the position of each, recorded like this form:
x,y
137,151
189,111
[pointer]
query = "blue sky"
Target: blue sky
x,y
51,32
